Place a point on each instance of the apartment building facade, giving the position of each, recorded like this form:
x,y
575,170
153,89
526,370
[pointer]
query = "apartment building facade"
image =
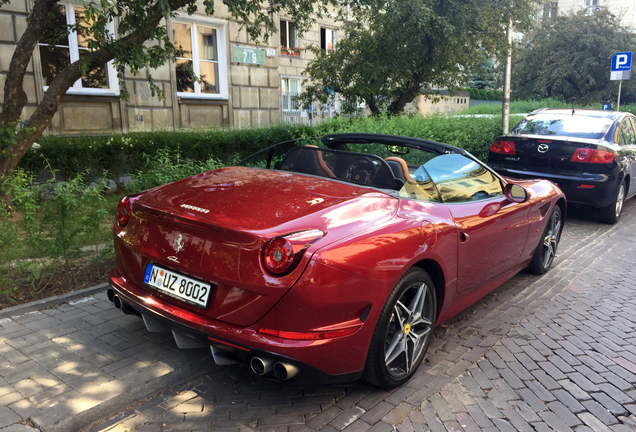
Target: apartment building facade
x,y
625,9
241,82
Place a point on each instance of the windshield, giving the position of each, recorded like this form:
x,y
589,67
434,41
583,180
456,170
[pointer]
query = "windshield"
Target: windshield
x,y
405,172
567,125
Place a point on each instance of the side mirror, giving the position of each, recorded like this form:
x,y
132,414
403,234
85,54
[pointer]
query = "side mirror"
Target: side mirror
x,y
515,193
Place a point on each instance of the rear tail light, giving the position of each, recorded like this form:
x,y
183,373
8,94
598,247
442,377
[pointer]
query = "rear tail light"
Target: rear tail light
x,y
592,156
281,254
124,209
503,147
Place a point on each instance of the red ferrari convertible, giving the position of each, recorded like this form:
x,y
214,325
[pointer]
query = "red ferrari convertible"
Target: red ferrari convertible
x,y
329,261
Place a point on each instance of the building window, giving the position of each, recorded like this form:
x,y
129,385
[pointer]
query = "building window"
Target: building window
x,y
327,39
550,9
203,53
290,87
288,35
58,50
589,3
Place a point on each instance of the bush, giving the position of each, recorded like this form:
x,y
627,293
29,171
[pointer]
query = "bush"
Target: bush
x,y
119,154
481,94
53,220
147,154
167,166
472,134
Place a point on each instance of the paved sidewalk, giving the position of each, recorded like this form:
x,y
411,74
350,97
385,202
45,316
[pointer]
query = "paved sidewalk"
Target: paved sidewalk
x,y
556,352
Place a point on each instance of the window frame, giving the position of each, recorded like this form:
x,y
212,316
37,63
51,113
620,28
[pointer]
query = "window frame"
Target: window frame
x,y
221,50
334,32
287,22
73,47
300,90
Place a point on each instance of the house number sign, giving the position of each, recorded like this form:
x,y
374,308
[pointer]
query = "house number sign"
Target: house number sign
x,y
249,55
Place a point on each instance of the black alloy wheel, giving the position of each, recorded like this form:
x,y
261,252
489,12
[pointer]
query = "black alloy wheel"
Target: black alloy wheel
x,y
546,249
403,332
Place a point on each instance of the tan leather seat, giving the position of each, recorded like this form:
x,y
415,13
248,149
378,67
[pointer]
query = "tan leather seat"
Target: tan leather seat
x,y
322,162
399,167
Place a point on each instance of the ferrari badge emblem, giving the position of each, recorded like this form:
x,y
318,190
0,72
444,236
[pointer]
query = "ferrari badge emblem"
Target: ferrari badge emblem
x,y
178,243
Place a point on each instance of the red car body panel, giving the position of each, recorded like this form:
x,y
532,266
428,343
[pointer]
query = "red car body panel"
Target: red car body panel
x,y
370,240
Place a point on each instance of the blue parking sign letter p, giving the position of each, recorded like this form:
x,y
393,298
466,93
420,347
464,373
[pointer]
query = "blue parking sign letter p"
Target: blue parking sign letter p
x,y
621,60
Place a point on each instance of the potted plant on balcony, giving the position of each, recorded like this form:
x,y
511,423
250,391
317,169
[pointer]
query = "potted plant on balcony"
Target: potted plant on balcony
x,y
295,51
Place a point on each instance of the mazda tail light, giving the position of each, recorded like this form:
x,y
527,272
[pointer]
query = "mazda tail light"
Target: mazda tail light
x,y
503,147
589,155
281,254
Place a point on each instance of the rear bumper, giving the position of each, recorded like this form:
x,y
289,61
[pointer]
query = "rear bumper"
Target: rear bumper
x,y
315,359
597,190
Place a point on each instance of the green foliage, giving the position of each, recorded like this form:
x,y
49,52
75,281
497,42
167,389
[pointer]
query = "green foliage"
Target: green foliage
x,y
485,76
482,94
33,272
9,137
472,134
569,58
167,166
394,48
121,154
527,106
54,220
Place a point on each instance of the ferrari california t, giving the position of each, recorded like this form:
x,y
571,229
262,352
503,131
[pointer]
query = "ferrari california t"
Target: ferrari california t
x,y
328,260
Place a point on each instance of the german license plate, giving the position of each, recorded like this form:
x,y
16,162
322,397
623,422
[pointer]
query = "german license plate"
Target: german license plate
x,y
177,285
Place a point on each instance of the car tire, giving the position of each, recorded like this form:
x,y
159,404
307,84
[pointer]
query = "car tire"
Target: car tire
x,y
546,249
612,213
403,331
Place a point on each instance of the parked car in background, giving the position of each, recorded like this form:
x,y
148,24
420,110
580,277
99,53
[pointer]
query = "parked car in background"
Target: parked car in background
x,y
329,261
589,154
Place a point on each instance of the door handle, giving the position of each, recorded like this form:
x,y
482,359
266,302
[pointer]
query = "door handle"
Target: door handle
x,y
463,237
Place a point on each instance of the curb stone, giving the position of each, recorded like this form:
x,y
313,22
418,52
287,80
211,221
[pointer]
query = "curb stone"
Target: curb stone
x,y
50,301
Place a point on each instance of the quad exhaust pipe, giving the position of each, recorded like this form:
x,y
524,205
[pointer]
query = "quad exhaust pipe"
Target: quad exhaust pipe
x,y
261,366
283,371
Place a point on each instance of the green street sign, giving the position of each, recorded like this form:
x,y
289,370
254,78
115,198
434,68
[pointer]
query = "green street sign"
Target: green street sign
x,y
249,55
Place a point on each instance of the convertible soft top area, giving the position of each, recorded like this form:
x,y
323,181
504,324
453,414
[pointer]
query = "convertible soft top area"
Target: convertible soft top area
x,y
336,140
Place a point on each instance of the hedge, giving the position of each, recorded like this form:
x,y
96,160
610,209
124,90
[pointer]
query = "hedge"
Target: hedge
x,y
481,94
123,153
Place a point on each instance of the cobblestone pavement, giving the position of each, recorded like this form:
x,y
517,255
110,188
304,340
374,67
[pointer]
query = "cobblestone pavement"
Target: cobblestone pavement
x,y
556,352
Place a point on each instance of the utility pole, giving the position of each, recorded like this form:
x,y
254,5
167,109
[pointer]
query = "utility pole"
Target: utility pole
x,y
505,113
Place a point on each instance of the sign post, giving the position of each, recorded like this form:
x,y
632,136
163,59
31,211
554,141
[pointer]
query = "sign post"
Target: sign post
x,y
620,70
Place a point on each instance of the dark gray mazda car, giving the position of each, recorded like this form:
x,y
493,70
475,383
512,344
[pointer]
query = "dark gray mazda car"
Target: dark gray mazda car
x,y
589,154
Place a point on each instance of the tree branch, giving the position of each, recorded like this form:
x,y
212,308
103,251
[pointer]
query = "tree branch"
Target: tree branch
x,y
61,83
15,97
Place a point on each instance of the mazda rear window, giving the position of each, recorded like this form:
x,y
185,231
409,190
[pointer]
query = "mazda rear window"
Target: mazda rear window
x,y
575,126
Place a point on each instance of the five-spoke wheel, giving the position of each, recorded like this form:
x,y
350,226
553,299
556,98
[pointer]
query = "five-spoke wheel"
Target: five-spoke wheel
x,y
403,331
546,250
